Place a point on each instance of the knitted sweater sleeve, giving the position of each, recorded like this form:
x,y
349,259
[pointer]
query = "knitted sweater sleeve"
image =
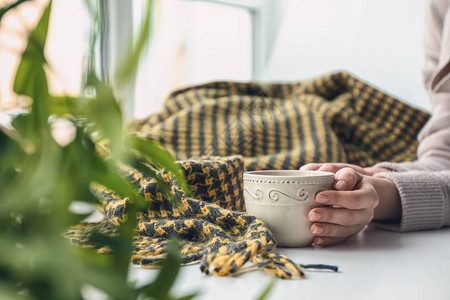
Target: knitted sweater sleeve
x,y
424,184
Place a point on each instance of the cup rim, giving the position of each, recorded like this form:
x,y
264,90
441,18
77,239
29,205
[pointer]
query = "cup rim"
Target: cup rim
x,y
282,174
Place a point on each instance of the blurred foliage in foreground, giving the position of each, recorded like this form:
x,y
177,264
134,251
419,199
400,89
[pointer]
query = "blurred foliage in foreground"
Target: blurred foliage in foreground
x,y
40,179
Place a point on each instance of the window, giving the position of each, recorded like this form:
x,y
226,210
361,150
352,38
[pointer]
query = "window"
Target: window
x,y
192,42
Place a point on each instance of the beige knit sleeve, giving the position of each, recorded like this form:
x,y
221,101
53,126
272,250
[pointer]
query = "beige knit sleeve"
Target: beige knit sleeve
x,y
425,200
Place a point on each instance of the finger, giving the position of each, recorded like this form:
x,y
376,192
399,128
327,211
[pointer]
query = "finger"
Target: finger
x,y
310,167
331,167
335,167
333,230
346,179
340,216
364,197
320,242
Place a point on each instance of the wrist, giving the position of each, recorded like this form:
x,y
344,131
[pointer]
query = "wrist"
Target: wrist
x,y
389,207
374,170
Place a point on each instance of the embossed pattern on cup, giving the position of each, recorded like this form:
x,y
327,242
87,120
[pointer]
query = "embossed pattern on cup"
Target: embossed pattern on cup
x,y
283,198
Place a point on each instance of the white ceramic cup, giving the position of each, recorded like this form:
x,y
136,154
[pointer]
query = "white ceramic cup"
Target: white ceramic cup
x,y
283,199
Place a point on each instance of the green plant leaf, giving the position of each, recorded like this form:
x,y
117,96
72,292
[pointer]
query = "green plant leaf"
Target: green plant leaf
x,y
106,112
128,66
63,105
33,57
146,169
120,247
159,156
21,124
265,293
170,266
31,81
40,179
188,297
10,152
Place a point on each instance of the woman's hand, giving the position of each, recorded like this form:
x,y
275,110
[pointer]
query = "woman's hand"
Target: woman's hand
x,y
358,198
334,167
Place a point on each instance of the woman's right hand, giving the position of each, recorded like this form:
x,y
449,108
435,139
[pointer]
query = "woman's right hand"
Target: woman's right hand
x,y
357,198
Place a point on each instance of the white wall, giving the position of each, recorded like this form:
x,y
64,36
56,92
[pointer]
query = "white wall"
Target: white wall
x,y
379,41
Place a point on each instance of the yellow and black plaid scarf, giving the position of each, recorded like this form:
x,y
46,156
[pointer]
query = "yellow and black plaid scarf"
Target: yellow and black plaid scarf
x,y
334,118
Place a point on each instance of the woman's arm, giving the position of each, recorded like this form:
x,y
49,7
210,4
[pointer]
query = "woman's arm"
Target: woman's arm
x,y
434,139
400,196
424,185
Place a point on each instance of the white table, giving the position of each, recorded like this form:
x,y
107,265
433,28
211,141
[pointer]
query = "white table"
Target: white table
x,y
375,264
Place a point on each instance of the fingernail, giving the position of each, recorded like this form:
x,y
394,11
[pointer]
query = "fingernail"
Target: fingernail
x,y
315,216
322,198
318,229
341,185
319,241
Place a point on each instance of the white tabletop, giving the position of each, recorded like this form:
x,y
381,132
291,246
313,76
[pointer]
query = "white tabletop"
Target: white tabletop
x,y
375,264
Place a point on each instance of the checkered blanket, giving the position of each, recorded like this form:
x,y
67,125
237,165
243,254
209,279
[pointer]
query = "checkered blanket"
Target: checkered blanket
x,y
251,126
